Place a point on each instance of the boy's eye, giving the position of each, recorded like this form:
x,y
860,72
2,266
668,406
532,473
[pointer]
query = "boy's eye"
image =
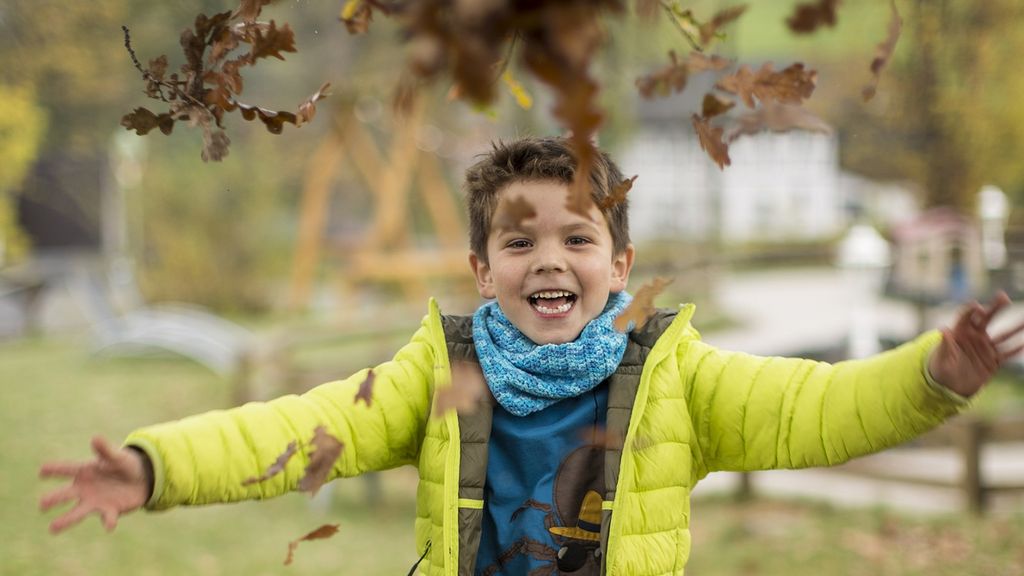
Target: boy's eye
x,y
577,241
519,244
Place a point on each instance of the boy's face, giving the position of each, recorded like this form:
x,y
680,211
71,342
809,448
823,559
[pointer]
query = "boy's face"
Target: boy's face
x,y
551,273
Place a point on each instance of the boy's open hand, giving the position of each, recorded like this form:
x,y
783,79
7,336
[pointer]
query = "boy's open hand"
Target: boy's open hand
x,y
113,484
968,356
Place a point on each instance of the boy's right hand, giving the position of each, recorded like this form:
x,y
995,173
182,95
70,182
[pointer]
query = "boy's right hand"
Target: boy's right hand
x,y
115,483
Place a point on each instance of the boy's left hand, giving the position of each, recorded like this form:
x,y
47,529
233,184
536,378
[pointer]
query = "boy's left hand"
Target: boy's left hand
x,y
968,356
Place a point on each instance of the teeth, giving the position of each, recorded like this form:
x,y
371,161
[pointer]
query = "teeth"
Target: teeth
x,y
563,308
552,294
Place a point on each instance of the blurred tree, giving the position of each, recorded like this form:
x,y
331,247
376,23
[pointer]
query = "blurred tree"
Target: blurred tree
x,y
947,114
21,131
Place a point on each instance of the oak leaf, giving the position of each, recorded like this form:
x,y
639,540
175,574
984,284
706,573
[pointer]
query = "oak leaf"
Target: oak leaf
x,y
307,110
206,26
143,120
249,10
601,437
158,67
276,467
792,85
883,53
665,81
468,388
713,105
710,138
617,195
642,306
778,118
809,17
700,62
365,392
321,533
326,449
511,212
272,41
709,30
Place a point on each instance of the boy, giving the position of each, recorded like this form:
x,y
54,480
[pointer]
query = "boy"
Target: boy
x,y
513,487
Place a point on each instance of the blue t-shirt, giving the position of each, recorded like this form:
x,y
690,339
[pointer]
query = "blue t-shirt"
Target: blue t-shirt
x,y
545,481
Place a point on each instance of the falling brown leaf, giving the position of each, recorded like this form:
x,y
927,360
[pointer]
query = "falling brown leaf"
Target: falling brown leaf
x,y
365,392
274,120
883,53
321,533
511,212
276,467
307,110
709,30
642,306
665,81
579,199
698,62
326,449
601,437
714,105
778,118
143,120
809,17
249,10
158,67
789,86
617,195
356,14
467,389
710,138
272,40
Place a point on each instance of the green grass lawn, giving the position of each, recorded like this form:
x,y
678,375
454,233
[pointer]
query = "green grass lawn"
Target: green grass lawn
x,y
56,396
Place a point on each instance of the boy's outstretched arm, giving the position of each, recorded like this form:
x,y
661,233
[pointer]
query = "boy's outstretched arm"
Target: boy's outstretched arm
x,y
968,357
116,482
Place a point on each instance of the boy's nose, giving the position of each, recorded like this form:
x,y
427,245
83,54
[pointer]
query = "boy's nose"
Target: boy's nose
x,y
549,260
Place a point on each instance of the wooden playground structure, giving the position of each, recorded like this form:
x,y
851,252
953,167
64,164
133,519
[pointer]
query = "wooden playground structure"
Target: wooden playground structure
x,y
397,178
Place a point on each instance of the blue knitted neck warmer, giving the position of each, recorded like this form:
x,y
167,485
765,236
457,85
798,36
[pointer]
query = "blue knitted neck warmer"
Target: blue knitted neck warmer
x,y
525,377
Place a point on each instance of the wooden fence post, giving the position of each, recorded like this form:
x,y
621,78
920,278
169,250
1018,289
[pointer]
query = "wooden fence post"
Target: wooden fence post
x,y
745,490
970,438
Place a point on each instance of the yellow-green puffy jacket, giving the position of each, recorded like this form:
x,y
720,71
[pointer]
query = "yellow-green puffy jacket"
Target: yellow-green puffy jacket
x,y
685,409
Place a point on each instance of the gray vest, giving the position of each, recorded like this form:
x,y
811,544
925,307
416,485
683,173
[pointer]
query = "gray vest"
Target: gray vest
x,y
475,427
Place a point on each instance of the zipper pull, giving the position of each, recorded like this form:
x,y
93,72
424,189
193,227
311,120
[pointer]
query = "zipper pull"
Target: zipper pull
x,y
412,570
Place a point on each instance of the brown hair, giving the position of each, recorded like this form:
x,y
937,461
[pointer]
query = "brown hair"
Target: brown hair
x,y
531,159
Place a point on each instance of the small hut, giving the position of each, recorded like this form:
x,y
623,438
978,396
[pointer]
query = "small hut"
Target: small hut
x,y
937,258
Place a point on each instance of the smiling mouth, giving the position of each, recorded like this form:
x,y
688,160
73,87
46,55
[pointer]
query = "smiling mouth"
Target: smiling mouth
x,y
553,301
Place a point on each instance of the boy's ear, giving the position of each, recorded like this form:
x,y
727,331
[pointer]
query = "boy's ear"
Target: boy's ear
x,y
622,264
482,273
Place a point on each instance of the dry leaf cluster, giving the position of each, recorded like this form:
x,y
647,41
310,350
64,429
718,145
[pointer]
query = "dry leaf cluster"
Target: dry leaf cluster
x,y
207,84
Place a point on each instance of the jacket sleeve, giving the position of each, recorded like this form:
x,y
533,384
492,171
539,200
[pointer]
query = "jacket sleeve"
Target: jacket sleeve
x,y
757,413
205,459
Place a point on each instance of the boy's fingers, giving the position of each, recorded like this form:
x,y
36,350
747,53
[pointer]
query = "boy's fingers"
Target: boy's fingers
x,y
68,469
999,301
1009,354
59,496
109,519
72,517
103,449
1009,334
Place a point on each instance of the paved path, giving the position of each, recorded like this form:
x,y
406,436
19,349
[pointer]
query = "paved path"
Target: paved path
x,y
779,312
